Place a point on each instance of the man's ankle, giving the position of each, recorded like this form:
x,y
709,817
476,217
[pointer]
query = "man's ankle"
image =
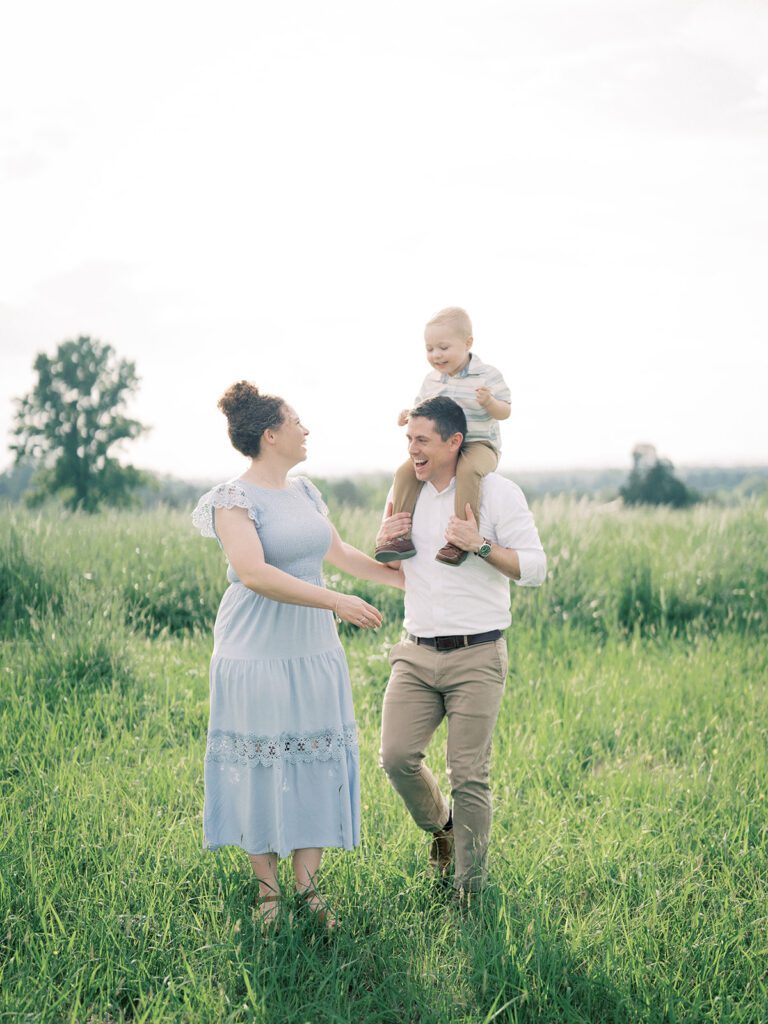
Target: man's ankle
x,y
447,827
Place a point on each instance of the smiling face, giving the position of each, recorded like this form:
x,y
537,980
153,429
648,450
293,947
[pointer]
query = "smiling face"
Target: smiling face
x,y
447,351
433,458
289,440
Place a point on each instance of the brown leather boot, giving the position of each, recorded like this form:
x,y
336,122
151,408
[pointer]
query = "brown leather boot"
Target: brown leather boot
x,y
441,851
451,555
395,550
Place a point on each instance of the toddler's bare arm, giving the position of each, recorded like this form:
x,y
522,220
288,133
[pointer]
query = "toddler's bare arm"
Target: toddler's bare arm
x,y
495,407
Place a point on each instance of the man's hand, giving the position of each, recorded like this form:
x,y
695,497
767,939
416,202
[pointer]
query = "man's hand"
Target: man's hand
x,y
402,419
484,396
464,532
393,527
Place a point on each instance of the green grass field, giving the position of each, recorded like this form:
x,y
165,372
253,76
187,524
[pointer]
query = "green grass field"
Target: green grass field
x,y
630,850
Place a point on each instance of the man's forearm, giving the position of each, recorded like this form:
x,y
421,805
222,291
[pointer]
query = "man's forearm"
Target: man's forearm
x,y
505,560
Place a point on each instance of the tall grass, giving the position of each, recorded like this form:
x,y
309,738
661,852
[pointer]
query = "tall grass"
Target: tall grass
x,y
630,846
150,566
612,571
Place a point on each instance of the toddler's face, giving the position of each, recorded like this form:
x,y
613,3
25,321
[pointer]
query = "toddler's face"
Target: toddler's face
x,y
446,351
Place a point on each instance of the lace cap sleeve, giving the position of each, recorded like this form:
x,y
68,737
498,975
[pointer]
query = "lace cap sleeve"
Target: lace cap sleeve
x,y
229,495
313,494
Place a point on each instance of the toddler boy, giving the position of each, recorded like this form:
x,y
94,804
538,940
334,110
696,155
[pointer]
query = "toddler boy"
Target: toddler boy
x,y
485,398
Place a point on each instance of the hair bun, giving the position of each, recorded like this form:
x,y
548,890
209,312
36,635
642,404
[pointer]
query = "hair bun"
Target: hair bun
x,y
235,394
250,414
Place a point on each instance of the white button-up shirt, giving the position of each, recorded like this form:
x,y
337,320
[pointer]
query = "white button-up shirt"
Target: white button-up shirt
x,y
449,600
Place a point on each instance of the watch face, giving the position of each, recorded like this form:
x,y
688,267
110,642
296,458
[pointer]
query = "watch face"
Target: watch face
x,y
484,550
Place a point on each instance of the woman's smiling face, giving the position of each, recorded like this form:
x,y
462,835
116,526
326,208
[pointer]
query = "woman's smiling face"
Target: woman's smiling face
x,y
291,436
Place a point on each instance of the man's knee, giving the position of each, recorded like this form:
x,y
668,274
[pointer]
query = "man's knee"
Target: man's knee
x,y
397,761
470,779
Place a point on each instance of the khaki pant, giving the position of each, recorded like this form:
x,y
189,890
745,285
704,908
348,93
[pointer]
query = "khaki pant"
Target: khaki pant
x,y
476,460
466,685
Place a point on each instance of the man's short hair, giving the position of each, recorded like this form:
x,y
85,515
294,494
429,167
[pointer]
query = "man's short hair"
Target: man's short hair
x,y
447,415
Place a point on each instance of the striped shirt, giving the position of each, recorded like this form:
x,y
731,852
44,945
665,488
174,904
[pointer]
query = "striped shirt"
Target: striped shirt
x,y
461,388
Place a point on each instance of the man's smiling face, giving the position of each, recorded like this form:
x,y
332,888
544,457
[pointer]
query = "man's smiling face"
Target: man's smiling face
x,y
433,458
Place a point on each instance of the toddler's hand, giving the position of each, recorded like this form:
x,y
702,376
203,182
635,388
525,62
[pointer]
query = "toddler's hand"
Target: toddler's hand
x,y
402,419
484,396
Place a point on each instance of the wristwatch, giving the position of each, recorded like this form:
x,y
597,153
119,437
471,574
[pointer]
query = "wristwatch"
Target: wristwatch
x,y
485,549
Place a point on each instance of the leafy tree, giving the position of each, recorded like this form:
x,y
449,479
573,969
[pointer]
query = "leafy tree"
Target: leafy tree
x,y
71,420
653,482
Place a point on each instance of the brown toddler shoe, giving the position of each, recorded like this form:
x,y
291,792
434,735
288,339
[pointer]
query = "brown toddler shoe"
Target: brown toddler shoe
x,y
451,555
395,550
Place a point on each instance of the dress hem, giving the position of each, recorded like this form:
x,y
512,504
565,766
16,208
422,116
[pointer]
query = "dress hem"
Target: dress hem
x,y
215,847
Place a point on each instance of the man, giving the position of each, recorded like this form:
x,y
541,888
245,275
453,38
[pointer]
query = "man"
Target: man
x,y
453,659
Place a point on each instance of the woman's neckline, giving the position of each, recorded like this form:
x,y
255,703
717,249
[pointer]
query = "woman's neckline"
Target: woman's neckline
x,y
261,487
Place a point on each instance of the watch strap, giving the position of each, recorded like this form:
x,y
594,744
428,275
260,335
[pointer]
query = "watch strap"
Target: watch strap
x,y
485,548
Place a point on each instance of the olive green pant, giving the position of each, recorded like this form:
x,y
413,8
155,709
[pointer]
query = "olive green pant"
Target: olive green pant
x,y
476,460
426,685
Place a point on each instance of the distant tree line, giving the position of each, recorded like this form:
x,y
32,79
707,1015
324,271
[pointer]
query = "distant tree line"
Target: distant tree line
x,y
67,427
652,481
155,489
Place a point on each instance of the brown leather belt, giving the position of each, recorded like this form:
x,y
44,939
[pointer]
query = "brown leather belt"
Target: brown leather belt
x,y
456,643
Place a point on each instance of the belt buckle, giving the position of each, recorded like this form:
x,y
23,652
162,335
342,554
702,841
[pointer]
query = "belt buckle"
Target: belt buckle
x,y
449,643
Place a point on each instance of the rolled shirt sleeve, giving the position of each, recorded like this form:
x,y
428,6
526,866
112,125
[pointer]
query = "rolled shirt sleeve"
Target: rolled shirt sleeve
x,y
514,527
533,567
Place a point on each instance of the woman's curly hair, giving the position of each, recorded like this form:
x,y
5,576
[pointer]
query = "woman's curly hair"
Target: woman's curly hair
x,y
249,414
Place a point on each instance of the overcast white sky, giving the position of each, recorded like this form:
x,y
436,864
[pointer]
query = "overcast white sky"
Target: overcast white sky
x,y
285,192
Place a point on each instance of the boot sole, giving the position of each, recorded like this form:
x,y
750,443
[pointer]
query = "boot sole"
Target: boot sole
x,y
393,556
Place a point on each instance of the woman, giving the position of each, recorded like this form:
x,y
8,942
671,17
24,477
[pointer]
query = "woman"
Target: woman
x,y
281,765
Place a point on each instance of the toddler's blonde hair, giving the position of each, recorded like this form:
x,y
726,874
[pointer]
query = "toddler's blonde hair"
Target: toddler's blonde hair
x,y
454,317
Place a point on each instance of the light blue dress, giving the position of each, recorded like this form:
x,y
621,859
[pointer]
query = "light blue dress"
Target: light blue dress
x,y
282,762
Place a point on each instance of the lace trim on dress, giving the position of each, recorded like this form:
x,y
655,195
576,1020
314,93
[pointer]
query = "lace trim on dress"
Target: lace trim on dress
x,y
249,749
229,495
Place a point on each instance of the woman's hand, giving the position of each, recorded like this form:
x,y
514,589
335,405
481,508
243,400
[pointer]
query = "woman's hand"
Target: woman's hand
x,y
359,613
402,419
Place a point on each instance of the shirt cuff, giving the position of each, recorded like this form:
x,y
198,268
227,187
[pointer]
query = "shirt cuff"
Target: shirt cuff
x,y
533,567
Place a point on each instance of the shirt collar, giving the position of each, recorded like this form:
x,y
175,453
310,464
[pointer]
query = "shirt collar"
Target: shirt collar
x,y
474,368
448,490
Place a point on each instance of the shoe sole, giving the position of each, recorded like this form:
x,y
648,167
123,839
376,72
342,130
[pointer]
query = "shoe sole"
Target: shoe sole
x,y
446,561
393,556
